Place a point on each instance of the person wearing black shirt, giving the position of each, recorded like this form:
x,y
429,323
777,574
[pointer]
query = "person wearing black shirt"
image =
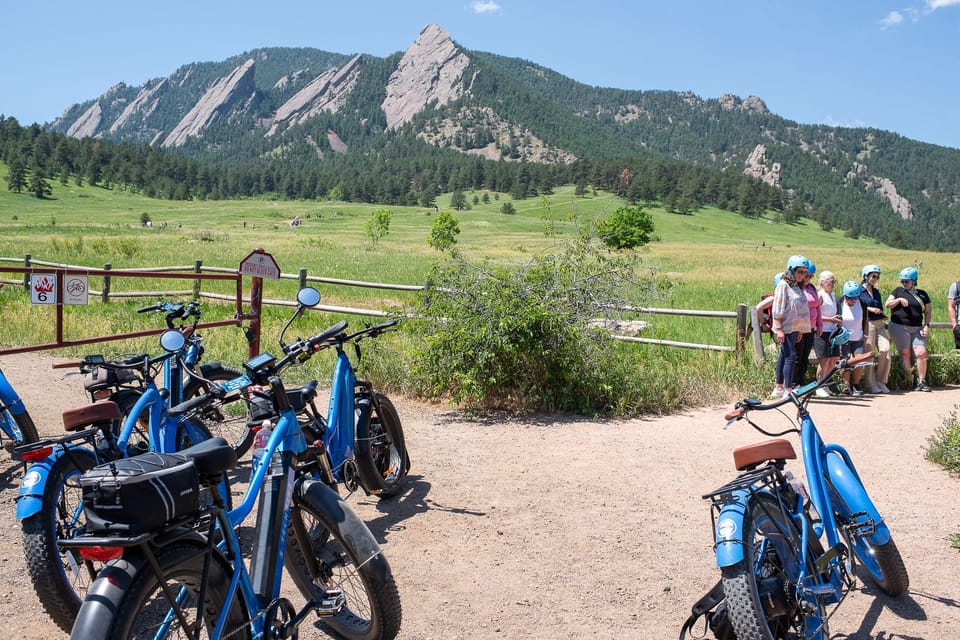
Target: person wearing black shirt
x,y
910,324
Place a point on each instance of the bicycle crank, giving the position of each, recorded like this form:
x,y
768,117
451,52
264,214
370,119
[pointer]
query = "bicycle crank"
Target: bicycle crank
x,y
280,621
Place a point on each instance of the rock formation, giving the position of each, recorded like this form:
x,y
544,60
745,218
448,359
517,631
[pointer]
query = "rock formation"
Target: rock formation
x,y
756,166
327,92
883,186
88,123
430,71
752,104
223,97
144,104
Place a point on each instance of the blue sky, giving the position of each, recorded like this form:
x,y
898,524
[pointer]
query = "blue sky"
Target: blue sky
x,y
888,64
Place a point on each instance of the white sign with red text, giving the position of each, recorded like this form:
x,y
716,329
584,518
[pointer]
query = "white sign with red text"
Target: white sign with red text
x,y
43,288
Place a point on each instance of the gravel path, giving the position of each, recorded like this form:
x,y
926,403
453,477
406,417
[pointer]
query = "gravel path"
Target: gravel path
x,y
552,528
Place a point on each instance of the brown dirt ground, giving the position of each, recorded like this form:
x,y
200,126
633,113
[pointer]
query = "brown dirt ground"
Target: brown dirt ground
x,y
559,527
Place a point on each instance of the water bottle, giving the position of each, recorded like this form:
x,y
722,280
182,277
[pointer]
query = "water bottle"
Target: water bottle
x,y
801,489
260,439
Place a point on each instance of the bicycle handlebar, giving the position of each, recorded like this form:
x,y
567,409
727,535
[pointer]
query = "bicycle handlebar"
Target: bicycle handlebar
x,y
749,404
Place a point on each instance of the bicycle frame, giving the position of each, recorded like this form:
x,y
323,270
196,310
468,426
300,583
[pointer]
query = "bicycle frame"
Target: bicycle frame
x,y
341,429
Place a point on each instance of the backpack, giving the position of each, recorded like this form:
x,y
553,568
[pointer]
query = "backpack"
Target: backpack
x,y
766,319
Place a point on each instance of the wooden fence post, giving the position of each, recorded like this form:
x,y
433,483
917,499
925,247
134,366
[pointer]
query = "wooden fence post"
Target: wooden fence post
x,y
105,294
757,335
302,277
196,283
741,327
26,276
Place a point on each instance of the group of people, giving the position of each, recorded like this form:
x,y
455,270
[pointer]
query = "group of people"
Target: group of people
x,y
835,324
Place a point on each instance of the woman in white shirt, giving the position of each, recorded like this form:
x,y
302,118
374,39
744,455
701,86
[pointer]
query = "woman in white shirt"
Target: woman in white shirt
x,y
827,353
854,319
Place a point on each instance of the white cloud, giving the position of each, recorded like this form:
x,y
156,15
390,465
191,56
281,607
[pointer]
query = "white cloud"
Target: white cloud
x,y
489,6
894,18
939,4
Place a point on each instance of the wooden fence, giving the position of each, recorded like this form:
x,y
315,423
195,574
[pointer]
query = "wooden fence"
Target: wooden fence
x,y
741,315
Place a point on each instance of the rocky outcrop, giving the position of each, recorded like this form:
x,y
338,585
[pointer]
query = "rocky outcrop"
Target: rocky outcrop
x,y
430,71
882,186
226,95
338,145
752,104
756,166
143,105
327,92
88,123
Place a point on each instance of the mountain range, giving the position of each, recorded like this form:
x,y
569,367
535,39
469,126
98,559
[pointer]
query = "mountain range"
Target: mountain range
x,y
309,107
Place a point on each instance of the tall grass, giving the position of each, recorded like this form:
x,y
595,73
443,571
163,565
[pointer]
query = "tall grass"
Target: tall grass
x,y
713,259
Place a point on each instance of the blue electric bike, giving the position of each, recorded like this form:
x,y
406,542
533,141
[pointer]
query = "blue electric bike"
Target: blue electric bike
x,y
787,553
187,577
133,420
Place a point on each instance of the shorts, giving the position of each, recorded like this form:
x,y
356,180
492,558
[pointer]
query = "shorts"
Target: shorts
x,y
822,346
906,337
852,347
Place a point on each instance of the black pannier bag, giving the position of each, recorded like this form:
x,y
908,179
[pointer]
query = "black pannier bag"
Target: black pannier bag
x,y
135,495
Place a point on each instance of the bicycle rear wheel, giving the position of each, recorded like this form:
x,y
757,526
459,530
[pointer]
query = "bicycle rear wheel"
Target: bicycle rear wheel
x,y
349,559
24,431
126,602
761,589
60,577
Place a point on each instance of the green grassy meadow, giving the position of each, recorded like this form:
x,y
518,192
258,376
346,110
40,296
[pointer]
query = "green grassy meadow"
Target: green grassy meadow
x,y
714,259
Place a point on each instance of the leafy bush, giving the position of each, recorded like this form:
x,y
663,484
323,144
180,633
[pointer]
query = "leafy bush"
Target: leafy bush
x,y
944,445
526,338
626,228
444,232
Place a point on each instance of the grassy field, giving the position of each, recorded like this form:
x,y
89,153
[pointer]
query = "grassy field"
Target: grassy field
x,y
714,260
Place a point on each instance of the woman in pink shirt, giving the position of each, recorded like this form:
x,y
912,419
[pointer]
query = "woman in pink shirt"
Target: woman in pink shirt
x,y
816,327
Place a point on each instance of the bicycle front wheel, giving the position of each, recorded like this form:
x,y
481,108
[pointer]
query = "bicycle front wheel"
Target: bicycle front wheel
x,y
127,601
348,558
761,589
24,431
229,421
381,449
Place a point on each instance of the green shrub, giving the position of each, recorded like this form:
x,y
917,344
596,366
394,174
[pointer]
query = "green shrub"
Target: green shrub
x,y
626,228
526,338
943,447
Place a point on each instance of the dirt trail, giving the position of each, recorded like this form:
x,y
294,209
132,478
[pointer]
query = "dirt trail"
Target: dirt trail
x,y
569,528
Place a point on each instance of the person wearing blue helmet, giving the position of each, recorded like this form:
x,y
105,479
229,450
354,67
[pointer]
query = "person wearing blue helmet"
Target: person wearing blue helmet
x,y
824,345
877,339
816,326
854,319
953,310
910,325
791,319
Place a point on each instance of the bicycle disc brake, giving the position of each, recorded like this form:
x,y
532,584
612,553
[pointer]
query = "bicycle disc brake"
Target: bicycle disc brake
x,y
278,621
351,475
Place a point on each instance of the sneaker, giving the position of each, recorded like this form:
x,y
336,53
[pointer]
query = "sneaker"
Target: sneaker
x,y
916,386
875,389
848,390
823,392
855,390
923,386
776,394
883,388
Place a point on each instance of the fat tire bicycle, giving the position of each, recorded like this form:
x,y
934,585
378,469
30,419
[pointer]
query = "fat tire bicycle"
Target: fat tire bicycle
x,y
133,420
16,425
188,578
787,553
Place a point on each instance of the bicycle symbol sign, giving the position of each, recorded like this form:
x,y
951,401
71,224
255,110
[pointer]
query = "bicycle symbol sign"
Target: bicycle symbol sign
x,y
75,290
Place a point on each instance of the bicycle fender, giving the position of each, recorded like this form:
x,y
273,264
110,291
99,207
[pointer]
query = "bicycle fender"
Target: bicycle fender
x,y
343,518
848,485
728,537
35,480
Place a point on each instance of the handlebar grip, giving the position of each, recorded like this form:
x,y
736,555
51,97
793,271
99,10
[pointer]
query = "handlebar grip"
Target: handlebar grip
x,y
152,307
309,391
191,404
67,364
326,334
735,414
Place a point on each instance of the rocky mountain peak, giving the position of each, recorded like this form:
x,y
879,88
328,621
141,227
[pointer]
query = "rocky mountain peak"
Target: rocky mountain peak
x,y
326,92
751,104
227,94
431,70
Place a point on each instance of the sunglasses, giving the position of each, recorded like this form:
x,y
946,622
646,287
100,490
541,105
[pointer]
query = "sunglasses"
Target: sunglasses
x,y
908,281
874,275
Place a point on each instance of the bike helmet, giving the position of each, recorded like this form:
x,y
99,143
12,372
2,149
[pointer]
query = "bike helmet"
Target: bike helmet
x,y
867,270
851,289
842,338
909,273
797,261
812,269
776,279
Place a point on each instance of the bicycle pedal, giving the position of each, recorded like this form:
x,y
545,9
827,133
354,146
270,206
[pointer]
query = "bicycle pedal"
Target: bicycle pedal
x,y
861,525
331,603
820,590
